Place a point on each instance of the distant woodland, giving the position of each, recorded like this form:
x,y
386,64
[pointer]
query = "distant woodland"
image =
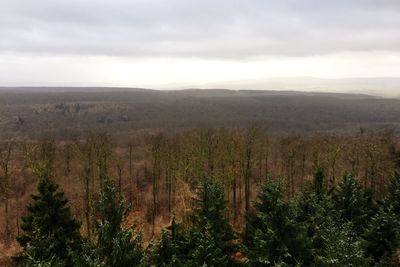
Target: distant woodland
x,y
192,179
43,112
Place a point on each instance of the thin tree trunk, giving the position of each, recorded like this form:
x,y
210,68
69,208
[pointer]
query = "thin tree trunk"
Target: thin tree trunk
x,y
234,199
120,178
87,179
266,164
130,176
303,170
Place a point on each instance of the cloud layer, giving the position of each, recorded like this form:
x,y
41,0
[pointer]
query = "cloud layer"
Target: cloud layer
x,y
226,29
174,43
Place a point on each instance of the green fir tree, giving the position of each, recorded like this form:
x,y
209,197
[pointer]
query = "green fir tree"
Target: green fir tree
x,y
172,248
353,203
382,236
207,251
275,238
333,242
393,198
116,246
49,230
210,209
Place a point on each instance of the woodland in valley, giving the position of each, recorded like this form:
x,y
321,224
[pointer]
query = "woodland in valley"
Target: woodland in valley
x,y
202,197
70,113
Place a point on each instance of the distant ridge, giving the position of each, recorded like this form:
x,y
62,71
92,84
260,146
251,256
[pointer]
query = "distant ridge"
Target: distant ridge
x,y
68,112
376,86
211,92
379,86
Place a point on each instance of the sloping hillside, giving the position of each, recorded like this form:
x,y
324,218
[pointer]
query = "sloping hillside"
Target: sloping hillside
x,y
68,112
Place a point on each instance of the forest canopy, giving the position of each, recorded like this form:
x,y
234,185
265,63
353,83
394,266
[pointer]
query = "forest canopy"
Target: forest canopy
x,y
203,197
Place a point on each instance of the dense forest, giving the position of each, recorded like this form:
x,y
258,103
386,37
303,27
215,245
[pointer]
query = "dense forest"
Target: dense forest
x,y
66,113
176,133
202,197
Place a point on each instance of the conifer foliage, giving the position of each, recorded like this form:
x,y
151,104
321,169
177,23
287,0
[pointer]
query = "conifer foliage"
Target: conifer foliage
x,y
49,230
207,251
116,246
393,198
353,203
209,216
382,236
210,239
318,228
332,240
275,237
172,247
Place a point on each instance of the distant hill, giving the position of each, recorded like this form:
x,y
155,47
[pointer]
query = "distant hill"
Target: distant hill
x,y
385,87
71,112
380,86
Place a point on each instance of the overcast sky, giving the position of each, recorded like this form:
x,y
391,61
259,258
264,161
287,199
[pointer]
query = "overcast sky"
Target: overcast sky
x,y
149,43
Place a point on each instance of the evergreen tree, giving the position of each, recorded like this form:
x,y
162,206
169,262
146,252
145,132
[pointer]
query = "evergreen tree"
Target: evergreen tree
x,y
207,252
275,238
166,253
172,248
210,239
333,243
314,212
210,209
49,230
314,208
87,257
353,203
319,177
393,198
45,263
340,246
396,158
116,246
382,236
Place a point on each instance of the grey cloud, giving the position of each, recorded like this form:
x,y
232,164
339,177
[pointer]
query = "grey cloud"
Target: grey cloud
x,y
232,29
